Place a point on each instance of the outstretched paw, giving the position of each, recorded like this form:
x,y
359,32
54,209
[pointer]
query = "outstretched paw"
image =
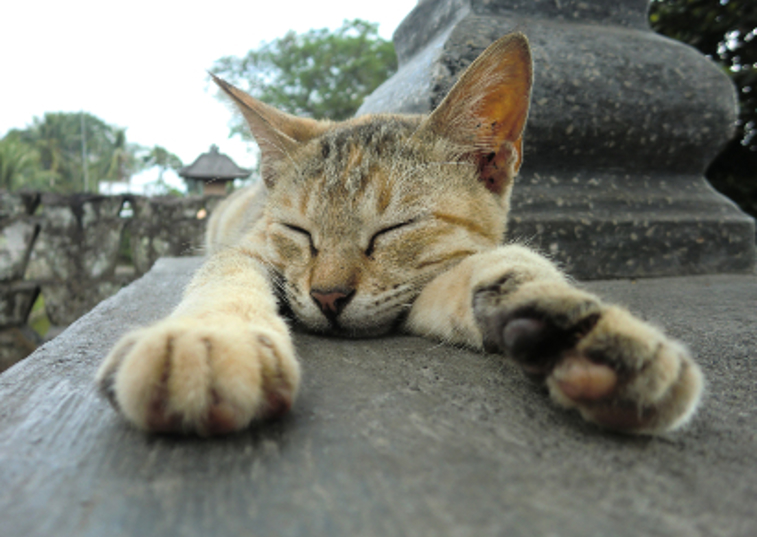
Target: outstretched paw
x,y
615,369
200,376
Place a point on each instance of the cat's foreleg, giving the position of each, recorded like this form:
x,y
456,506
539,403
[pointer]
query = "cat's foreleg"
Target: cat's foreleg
x,y
616,370
221,360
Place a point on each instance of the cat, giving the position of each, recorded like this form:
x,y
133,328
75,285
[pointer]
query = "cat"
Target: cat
x,y
381,223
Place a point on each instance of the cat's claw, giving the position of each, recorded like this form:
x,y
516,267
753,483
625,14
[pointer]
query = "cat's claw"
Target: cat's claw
x,y
206,377
615,369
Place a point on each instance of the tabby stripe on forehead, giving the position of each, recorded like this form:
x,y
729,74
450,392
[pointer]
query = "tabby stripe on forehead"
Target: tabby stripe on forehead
x,y
354,160
471,226
355,175
305,199
317,187
384,188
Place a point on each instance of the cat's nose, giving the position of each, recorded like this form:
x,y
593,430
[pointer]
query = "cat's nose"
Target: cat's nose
x,y
332,301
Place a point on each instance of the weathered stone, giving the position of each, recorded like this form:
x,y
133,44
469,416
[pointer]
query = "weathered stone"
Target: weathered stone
x,y
56,249
102,240
149,243
55,255
395,436
16,343
58,210
622,125
16,301
637,225
102,228
95,209
168,207
18,204
152,238
80,237
76,250
16,240
67,301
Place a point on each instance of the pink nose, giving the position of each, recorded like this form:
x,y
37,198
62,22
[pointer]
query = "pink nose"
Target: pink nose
x,y
332,301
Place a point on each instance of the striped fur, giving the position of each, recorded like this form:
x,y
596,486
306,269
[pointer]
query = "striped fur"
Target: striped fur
x,y
390,222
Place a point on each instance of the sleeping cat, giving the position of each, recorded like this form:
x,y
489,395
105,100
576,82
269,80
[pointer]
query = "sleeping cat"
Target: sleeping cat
x,y
381,223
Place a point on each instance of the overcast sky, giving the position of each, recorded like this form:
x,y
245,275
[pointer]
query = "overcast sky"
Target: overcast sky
x,y
142,64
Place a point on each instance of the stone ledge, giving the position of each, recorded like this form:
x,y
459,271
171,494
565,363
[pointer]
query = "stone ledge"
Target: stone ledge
x,y
393,436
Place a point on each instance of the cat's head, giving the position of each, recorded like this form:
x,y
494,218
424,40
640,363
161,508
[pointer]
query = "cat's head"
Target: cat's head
x,y
362,214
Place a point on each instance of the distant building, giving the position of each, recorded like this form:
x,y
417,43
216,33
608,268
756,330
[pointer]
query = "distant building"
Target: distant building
x,y
210,172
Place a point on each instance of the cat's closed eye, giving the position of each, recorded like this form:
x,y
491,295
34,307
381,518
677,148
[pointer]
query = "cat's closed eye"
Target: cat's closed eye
x,y
372,243
306,233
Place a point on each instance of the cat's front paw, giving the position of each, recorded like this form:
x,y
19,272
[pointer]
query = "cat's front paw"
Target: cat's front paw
x,y
203,376
617,370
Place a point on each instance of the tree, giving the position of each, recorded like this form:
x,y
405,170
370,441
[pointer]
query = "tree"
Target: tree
x,y
59,137
62,148
163,159
18,163
123,159
319,74
726,31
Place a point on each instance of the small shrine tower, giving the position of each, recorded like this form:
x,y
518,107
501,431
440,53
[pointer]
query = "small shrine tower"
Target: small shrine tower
x,y
210,172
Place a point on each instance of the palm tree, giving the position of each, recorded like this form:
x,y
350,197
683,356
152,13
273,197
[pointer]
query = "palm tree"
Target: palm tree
x,y
123,160
17,162
57,140
163,159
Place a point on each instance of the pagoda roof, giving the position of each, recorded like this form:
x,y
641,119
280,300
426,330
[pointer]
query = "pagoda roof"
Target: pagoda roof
x,y
213,165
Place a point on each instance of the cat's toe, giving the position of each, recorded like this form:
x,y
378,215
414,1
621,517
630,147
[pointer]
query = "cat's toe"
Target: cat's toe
x,y
207,378
580,379
628,376
536,326
616,370
522,335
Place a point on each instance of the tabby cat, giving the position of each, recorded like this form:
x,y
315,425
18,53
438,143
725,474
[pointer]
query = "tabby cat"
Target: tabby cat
x,y
387,222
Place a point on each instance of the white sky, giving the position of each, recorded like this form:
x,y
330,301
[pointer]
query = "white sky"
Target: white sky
x,y
142,64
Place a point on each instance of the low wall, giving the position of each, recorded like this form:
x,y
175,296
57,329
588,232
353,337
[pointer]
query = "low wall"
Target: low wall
x,y
77,250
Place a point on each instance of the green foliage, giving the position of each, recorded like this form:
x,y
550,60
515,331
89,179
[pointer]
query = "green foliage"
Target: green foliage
x,y
319,74
19,163
161,158
125,256
38,319
57,137
160,187
49,154
57,140
726,31
123,159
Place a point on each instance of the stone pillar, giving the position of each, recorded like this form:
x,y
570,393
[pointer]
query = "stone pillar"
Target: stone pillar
x,y
623,124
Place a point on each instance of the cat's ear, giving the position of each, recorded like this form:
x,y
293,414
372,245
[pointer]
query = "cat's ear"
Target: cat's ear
x,y
277,134
485,112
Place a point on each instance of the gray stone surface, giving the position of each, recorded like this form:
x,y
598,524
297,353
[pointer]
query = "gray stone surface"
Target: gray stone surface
x,y
13,205
70,248
622,126
75,253
16,239
79,238
16,343
393,436
168,227
16,301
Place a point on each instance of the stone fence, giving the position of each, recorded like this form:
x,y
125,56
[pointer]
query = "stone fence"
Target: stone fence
x,y
77,250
